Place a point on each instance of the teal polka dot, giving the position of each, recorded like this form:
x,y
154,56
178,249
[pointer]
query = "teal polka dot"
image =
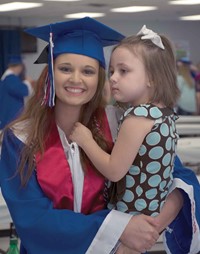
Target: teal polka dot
x,y
109,184
130,181
154,181
162,203
153,167
150,194
173,158
174,145
121,206
134,213
139,191
166,172
142,150
172,132
166,159
141,111
128,111
153,138
128,196
162,185
134,170
156,153
169,183
143,177
110,206
163,194
164,129
154,214
168,144
155,112
154,204
140,204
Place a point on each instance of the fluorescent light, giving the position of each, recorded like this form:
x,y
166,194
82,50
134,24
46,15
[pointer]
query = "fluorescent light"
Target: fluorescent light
x,y
84,14
13,6
134,9
193,17
185,2
62,0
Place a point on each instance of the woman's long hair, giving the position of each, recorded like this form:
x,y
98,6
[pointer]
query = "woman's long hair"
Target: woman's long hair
x,y
39,117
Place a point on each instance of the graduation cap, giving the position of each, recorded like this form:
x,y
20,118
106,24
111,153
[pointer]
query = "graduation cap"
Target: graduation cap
x,y
85,36
185,60
15,59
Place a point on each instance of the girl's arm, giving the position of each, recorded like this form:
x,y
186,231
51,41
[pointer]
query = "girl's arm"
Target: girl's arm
x,y
170,210
116,165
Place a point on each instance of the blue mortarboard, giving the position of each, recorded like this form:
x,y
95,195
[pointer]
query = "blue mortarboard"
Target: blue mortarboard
x,y
14,59
84,36
185,60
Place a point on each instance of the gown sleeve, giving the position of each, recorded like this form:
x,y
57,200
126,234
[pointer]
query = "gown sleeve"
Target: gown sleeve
x,y
42,229
16,87
45,230
183,234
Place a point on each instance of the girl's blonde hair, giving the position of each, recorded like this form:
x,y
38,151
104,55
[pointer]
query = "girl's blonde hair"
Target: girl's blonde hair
x,y
160,66
39,117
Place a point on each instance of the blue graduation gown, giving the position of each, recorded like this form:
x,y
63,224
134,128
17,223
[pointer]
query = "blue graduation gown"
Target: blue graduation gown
x,y
183,234
44,230
13,91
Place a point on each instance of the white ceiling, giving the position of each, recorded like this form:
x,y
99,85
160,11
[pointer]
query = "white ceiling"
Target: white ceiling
x,y
56,10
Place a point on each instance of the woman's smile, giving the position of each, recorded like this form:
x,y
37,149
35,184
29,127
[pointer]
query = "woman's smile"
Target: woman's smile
x,y
75,90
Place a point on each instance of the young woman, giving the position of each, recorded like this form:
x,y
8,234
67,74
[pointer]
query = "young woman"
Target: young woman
x,y
54,194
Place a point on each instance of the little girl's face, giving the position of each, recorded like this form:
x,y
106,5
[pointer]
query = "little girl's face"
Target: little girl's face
x,y
128,79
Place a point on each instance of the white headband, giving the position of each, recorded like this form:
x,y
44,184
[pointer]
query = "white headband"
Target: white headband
x,y
151,35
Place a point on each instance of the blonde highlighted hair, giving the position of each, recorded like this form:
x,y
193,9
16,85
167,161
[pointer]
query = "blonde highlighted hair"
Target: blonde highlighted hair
x,y
39,117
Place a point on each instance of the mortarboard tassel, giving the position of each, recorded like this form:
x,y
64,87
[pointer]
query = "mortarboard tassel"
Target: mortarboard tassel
x,y
49,97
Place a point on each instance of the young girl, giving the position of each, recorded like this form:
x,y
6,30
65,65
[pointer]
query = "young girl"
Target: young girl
x,y
142,76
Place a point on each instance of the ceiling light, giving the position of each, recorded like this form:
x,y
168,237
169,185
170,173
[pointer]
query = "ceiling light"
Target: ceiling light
x,y
13,6
185,2
62,0
85,14
193,17
134,9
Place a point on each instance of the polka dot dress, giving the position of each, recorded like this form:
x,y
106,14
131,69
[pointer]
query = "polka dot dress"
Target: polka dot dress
x,y
145,186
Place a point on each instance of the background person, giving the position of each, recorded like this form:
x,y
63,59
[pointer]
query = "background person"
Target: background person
x,y
187,103
14,91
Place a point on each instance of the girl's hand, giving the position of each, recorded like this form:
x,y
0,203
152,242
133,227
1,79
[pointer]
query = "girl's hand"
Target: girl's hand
x,y
80,134
125,250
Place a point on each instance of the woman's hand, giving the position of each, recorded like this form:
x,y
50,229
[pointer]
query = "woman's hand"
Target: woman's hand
x,y
141,233
80,134
125,250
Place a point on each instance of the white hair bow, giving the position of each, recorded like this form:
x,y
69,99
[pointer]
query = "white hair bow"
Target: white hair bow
x,y
151,35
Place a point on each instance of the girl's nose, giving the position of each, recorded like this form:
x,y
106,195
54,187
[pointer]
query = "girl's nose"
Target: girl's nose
x,y
112,78
75,77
